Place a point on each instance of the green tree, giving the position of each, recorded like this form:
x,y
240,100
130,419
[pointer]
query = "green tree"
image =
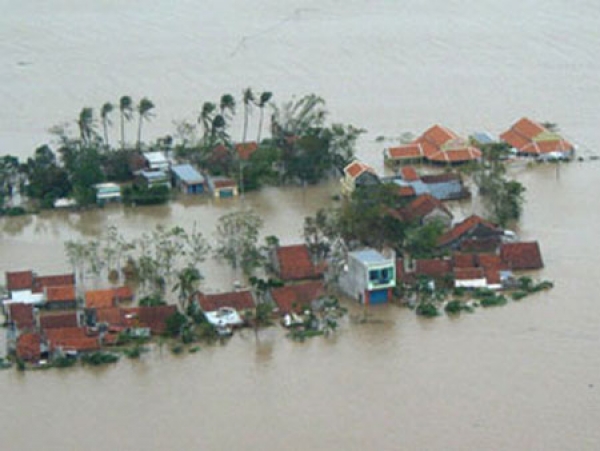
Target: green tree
x,y
248,100
421,241
85,171
105,113
237,240
144,110
206,118
126,110
263,100
227,106
47,180
187,283
86,124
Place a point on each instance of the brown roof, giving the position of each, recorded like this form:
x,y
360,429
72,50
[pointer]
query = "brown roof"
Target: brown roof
x,y
60,294
19,280
71,339
409,174
525,255
489,244
422,206
58,280
530,137
245,150
492,276
411,151
463,260
295,297
100,299
153,317
464,227
58,321
434,267
490,261
239,300
123,293
224,183
356,168
29,347
295,263
111,316
468,273
21,315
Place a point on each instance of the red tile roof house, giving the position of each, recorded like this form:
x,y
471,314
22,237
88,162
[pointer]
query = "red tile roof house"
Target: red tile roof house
x,y
530,138
71,339
152,317
438,145
60,298
470,278
100,299
294,298
522,255
426,209
238,300
472,228
19,280
294,262
59,320
29,347
357,174
21,316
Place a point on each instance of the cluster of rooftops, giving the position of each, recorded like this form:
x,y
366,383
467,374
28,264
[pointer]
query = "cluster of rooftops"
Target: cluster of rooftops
x,y
439,144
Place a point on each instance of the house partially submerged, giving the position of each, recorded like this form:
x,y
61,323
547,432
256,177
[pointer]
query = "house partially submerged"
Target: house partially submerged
x,y
188,180
438,145
222,187
295,298
294,262
446,186
369,276
60,298
154,178
107,192
157,161
472,231
426,209
226,309
530,138
357,174
522,255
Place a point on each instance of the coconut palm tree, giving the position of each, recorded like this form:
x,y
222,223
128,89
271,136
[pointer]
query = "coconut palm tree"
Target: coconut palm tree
x,y
86,124
105,111
206,117
188,280
263,100
144,110
248,99
226,105
126,109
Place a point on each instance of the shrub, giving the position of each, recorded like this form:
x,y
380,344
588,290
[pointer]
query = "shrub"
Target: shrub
x,y
427,309
518,295
63,362
99,358
492,300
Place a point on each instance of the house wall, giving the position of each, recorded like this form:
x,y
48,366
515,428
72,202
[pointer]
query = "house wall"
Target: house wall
x,y
355,282
471,283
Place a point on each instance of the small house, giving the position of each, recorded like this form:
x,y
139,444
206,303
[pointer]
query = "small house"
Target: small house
x,y
100,299
295,263
59,320
426,209
157,161
154,178
60,298
226,308
530,138
369,276
295,298
29,347
522,255
107,192
358,174
470,278
71,339
222,187
187,179
472,229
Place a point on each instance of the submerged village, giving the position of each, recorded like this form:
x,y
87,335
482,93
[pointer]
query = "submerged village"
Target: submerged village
x,y
387,238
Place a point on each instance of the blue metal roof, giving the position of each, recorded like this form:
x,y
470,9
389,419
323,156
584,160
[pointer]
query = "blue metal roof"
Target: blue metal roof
x,y
187,173
484,138
445,190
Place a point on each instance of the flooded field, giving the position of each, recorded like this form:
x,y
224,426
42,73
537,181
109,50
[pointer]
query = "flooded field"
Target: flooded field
x,y
520,377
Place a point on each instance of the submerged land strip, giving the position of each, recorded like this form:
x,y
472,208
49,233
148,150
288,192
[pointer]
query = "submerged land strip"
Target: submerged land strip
x,y
386,238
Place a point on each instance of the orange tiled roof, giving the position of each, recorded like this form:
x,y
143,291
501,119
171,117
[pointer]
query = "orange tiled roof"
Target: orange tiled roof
x,y
468,273
245,150
409,174
60,294
239,300
29,347
19,280
523,255
21,315
111,316
464,227
529,137
224,183
412,151
433,267
72,339
295,263
492,276
100,299
356,168
463,260
422,206
152,317
58,321
58,280
123,293
294,297
490,261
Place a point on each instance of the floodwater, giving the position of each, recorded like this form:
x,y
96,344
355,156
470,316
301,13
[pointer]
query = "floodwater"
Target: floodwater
x,y
521,377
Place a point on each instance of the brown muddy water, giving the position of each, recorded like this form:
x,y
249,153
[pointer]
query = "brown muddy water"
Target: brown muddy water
x,y
522,377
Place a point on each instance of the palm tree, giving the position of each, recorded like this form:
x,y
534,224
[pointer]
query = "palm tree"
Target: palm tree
x,y
206,117
86,124
106,109
263,100
218,128
248,99
188,279
126,108
227,105
144,110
